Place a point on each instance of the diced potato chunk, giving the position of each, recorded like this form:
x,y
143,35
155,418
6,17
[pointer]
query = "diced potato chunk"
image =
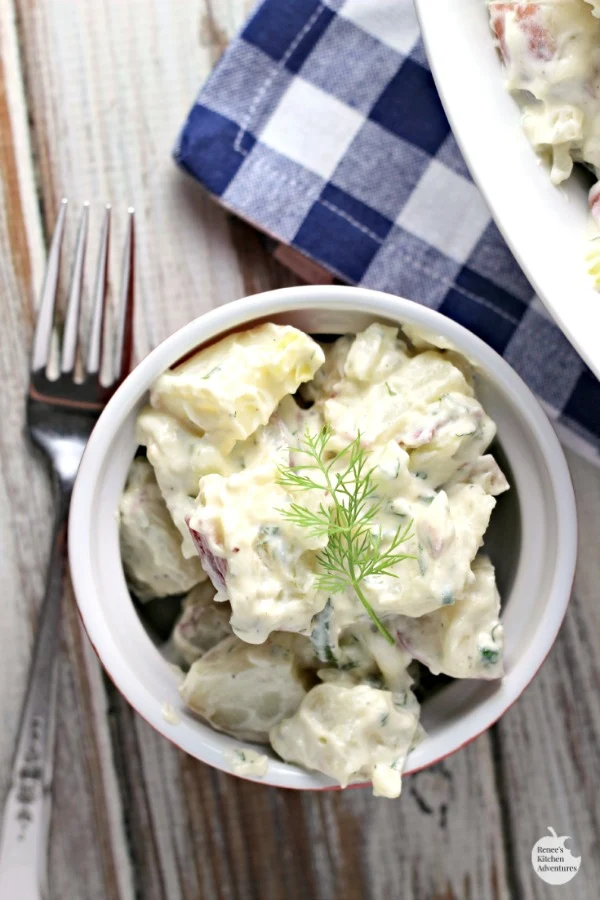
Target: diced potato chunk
x,y
327,378
375,353
349,733
179,458
150,544
202,624
446,535
244,690
230,388
385,394
486,472
264,564
463,639
450,434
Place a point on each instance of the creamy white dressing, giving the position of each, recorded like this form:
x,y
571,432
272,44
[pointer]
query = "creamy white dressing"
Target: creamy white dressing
x,y
305,669
266,565
170,714
464,639
349,732
247,762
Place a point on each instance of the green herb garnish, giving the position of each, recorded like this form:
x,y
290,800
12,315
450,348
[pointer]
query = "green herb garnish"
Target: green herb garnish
x,y
355,547
211,372
321,634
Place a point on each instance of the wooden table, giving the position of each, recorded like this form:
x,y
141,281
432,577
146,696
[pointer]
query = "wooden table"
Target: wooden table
x,y
92,93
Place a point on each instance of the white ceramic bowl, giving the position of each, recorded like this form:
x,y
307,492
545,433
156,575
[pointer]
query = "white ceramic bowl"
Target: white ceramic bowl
x,y
546,227
532,537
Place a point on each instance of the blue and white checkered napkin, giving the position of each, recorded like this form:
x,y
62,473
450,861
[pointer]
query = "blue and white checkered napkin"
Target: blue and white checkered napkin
x,y
322,126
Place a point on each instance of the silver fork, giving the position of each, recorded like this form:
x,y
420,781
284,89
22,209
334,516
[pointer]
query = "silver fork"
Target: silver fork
x,y
61,413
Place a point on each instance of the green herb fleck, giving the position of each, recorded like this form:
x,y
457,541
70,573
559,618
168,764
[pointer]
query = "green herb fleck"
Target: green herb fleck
x,y
488,655
267,531
390,391
420,560
211,372
320,636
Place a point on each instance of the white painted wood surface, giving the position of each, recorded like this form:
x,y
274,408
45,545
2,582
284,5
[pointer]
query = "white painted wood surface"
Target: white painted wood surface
x,y
92,95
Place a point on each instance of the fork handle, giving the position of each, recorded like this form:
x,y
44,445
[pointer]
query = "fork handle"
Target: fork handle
x,y
26,818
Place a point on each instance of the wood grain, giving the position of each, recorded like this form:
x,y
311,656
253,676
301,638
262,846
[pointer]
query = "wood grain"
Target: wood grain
x,y
93,106
86,857
548,744
205,834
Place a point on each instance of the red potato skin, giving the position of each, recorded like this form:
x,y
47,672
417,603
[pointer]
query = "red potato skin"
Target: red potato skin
x,y
405,644
214,566
594,202
540,42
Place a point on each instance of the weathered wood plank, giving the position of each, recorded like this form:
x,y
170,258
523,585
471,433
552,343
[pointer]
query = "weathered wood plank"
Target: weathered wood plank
x,y
87,859
212,835
548,744
109,85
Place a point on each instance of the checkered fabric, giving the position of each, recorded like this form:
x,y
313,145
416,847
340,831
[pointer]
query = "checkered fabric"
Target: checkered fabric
x,y
322,126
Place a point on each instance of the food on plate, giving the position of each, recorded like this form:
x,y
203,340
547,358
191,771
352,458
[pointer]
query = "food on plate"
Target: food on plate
x,y
551,54
337,496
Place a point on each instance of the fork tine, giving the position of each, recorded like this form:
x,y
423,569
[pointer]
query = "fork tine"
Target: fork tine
x,y
45,314
94,355
124,340
71,329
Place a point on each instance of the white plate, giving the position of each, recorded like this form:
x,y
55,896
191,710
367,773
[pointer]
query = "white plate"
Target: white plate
x,y
545,226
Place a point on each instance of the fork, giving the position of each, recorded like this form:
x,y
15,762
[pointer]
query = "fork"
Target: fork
x,y
61,413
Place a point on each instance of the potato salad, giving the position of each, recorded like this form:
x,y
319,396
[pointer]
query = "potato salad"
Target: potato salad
x,y
321,508
551,54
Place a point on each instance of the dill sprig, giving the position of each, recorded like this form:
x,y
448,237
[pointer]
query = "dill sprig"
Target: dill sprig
x,y
356,546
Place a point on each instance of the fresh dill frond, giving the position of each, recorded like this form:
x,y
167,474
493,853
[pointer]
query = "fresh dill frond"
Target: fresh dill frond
x,y
355,548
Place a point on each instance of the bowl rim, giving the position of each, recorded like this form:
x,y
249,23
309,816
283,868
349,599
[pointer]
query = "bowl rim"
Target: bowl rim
x,y
245,311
